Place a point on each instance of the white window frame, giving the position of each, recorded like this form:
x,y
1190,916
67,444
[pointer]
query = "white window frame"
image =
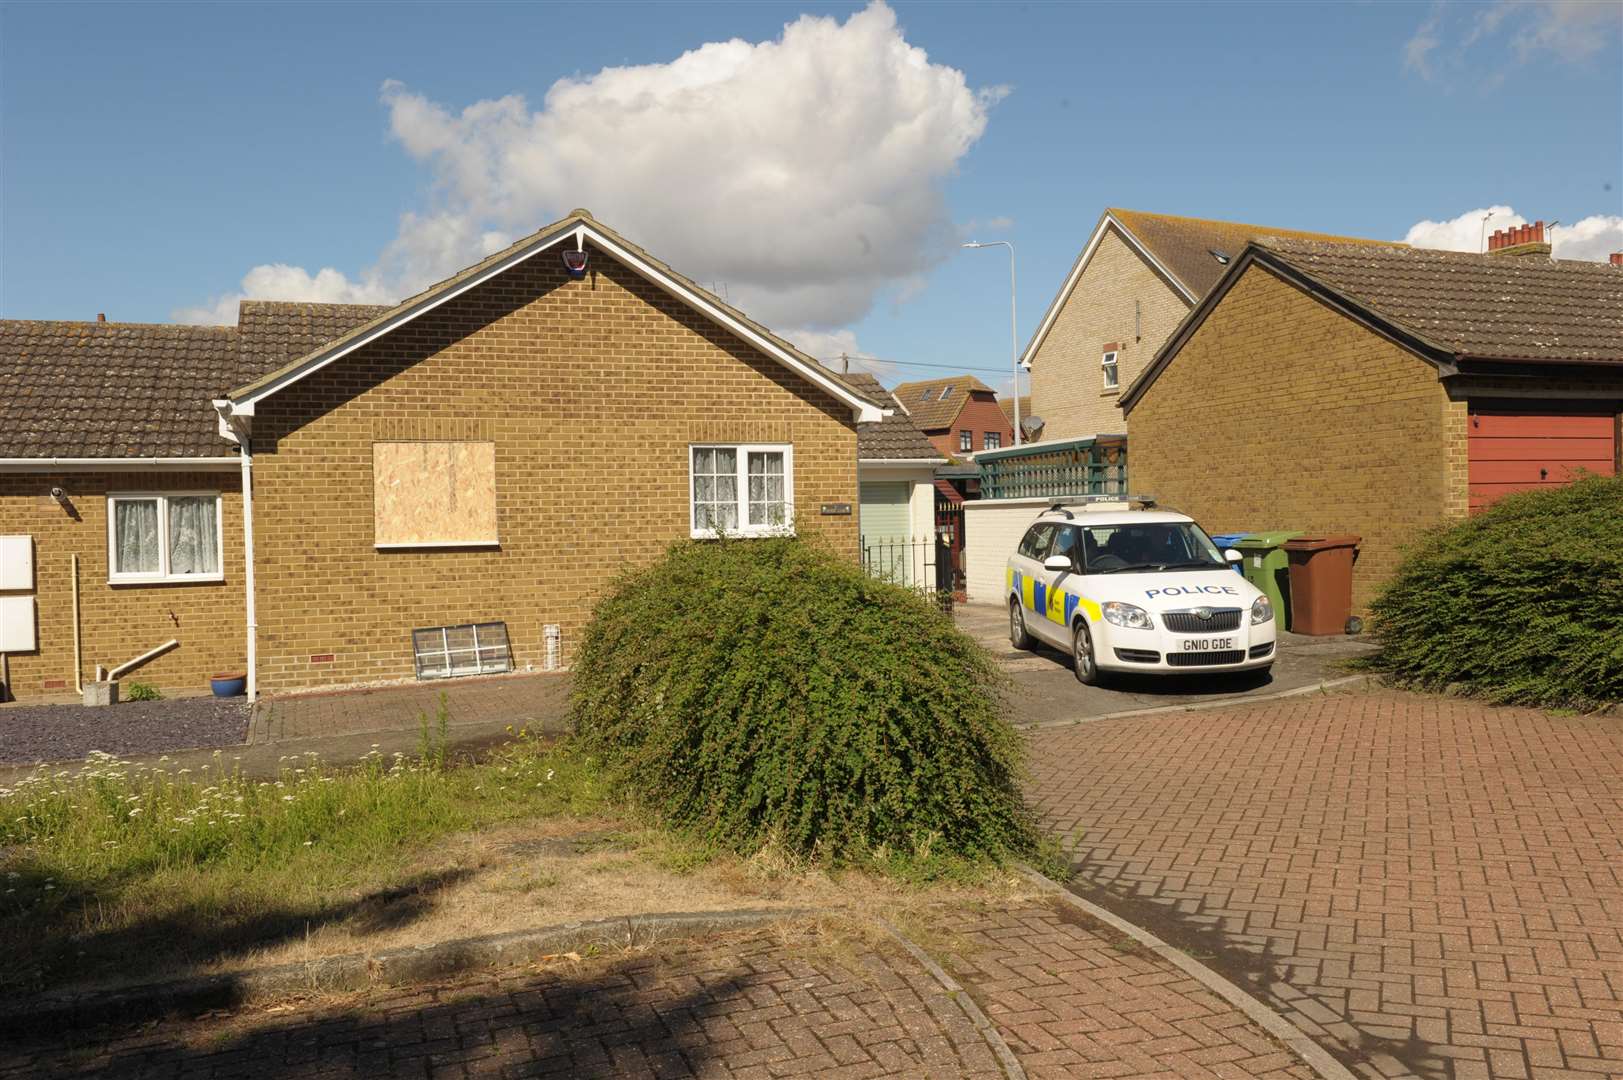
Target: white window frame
x,y
163,576
1110,371
991,440
966,441
744,450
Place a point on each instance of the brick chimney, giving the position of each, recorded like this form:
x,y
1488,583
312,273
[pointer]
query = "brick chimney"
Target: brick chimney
x,y
1616,258
101,316
1520,240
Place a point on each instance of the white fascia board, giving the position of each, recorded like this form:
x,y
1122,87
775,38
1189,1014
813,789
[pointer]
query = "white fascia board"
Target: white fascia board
x,y
1082,261
865,411
153,464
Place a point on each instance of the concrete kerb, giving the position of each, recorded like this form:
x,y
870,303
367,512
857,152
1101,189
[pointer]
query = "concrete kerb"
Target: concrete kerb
x,y
1312,1054
1225,703
49,1013
994,1039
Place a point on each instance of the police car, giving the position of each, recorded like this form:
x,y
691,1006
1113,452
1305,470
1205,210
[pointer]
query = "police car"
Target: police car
x,y
1124,586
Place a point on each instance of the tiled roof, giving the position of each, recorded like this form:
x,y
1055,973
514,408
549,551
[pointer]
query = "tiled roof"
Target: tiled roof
x,y
924,403
1007,405
1184,245
895,437
1495,307
273,332
95,389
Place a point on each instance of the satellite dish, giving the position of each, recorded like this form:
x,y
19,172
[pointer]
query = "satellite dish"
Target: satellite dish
x,y
1031,425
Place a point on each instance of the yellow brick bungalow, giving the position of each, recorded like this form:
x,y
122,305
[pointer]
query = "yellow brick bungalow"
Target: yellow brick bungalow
x,y
331,494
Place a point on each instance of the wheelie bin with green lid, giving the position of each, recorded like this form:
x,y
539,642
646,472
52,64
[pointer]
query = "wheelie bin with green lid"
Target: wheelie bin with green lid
x,y
1268,568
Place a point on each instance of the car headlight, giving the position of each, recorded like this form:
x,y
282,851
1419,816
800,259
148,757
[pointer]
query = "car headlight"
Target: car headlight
x,y
1261,611
1129,615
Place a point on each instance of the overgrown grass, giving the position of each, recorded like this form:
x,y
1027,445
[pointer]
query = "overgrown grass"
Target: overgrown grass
x,y
116,856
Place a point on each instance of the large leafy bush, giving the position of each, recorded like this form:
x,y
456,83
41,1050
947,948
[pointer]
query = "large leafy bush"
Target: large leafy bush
x,y
1522,603
767,692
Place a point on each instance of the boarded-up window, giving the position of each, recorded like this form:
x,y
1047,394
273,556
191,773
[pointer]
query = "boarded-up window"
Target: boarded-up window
x,y
428,494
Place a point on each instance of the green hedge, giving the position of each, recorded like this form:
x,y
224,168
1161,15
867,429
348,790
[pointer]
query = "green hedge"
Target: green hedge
x,y
759,692
1522,603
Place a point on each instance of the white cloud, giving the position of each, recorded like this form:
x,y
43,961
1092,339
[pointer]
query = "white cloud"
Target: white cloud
x,y
802,174
1474,40
1592,238
278,281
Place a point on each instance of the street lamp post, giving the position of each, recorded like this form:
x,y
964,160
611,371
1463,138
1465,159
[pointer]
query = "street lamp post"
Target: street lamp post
x,y
1014,342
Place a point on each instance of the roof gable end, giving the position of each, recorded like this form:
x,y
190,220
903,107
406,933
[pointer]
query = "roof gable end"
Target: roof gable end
x,y
578,228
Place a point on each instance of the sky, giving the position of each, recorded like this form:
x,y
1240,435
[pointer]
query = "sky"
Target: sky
x,y
818,164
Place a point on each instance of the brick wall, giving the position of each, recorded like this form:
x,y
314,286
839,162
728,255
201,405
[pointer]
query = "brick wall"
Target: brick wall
x,y
592,391
979,415
119,622
1067,387
1279,413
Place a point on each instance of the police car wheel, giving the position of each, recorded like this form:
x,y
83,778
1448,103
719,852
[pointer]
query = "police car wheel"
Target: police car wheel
x,y
1087,672
1019,637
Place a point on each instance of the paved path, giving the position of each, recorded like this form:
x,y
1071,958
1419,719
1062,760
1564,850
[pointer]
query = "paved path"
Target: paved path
x,y
1068,999
1072,999
1429,886
1046,690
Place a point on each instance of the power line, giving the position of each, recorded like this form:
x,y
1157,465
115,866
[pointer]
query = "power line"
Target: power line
x,y
908,363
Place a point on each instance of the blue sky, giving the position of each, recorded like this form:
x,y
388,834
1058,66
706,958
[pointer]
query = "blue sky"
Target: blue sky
x,y
154,155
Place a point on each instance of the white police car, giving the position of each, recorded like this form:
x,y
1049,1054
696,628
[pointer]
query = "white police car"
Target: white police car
x,y
1126,587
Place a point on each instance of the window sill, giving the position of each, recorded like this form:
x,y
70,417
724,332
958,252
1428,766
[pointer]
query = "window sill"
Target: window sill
x,y
1110,391
173,579
757,533
434,545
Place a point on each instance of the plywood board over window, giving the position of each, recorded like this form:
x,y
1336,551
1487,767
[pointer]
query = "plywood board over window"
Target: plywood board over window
x,y
434,494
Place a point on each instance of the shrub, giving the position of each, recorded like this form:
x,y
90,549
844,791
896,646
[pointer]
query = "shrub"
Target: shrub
x,y
768,692
1522,603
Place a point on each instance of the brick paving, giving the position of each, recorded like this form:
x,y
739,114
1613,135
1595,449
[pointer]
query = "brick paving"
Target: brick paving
x,y
1066,997
539,701
1429,886
747,1008
1072,999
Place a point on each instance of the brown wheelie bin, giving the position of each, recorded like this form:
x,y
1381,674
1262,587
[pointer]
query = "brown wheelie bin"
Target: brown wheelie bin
x,y
1321,582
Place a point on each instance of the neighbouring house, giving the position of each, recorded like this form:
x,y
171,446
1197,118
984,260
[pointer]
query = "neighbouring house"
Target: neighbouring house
x,y
959,414
1381,390
896,472
1007,405
326,494
1136,279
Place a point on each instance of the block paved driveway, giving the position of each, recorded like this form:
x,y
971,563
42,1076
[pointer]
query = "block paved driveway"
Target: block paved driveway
x,y
1068,1000
1430,887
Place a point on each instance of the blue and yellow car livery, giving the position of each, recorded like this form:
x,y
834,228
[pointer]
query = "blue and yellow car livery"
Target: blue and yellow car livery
x,y
1056,605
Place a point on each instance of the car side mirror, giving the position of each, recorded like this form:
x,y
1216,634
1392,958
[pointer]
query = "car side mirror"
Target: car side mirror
x,y
1058,563
1230,555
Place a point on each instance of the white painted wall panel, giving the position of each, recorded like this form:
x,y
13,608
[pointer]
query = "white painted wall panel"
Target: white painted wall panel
x,y
992,530
17,624
16,563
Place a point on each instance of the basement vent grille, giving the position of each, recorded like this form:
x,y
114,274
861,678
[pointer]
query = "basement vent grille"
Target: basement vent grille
x,y
444,652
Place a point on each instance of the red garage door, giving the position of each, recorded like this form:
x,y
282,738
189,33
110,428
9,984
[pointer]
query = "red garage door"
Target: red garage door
x,y
1516,447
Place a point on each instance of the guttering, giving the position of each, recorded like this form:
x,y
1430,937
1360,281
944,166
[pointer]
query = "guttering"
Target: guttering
x,y
131,464
902,461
